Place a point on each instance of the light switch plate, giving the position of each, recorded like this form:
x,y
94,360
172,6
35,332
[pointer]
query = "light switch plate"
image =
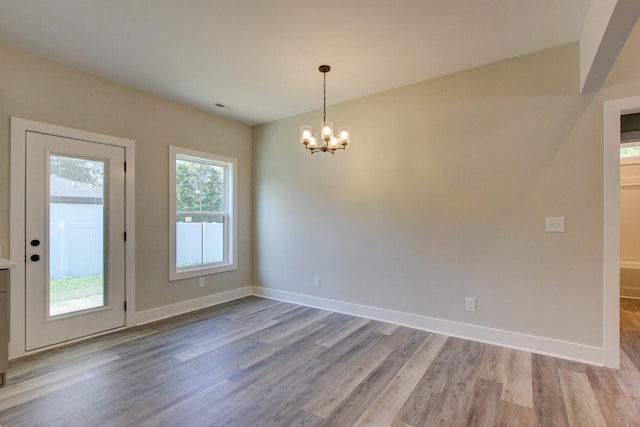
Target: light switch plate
x,y
555,224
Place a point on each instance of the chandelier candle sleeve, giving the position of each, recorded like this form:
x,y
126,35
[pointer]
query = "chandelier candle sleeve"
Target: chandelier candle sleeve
x,y
312,141
305,134
344,134
327,131
329,142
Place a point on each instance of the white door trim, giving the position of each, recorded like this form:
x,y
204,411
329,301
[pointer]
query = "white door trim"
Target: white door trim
x,y
19,128
611,239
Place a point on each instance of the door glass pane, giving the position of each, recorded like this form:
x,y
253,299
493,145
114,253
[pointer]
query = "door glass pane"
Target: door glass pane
x,y
76,234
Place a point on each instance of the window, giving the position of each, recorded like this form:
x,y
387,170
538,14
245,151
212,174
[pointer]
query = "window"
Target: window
x,y
202,213
629,149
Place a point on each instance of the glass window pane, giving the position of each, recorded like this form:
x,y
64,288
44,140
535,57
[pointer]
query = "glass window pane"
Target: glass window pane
x,y
626,152
199,239
199,187
213,240
200,213
76,234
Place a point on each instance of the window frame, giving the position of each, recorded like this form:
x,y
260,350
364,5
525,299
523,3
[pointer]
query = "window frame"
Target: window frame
x,y
230,224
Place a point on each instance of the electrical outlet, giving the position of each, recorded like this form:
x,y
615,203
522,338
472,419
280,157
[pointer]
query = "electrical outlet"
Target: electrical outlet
x,y
201,282
470,304
316,282
555,224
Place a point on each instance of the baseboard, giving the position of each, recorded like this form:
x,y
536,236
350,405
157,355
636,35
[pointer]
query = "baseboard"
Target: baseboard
x,y
171,310
535,344
633,293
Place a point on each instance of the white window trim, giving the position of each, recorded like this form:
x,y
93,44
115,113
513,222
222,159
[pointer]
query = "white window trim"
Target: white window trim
x,y
231,201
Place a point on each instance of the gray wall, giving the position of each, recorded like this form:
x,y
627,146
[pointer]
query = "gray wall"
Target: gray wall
x,y
443,195
39,90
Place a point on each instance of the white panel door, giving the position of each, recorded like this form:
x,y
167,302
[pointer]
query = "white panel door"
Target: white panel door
x,y
75,243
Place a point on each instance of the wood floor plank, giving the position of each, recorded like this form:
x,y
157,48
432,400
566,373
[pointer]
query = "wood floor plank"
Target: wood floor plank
x,y
451,379
405,343
386,406
512,414
548,400
357,372
517,385
263,406
340,366
266,351
284,332
493,364
50,384
24,391
386,328
484,406
615,404
630,344
581,403
344,332
629,379
217,342
260,307
195,410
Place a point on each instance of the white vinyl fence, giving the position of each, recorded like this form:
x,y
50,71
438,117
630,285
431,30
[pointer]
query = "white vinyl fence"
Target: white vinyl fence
x,y
77,244
75,240
199,242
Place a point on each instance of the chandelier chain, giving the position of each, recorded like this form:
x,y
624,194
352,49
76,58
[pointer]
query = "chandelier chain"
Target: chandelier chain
x,y
324,96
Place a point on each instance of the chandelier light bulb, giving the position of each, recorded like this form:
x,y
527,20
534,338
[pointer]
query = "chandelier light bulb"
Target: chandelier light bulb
x,y
344,134
305,134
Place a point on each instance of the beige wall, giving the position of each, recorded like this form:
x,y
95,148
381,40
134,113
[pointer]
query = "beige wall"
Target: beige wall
x,y
443,195
39,90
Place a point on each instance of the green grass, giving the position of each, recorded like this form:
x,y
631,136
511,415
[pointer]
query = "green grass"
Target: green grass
x,y
76,287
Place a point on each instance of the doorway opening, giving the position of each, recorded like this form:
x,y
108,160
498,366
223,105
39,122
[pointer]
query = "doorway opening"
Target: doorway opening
x,y
613,112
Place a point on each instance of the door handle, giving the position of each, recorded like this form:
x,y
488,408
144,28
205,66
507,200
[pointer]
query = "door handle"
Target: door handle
x,y
35,242
35,257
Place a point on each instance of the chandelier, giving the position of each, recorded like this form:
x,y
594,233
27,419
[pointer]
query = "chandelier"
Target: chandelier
x,y
329,142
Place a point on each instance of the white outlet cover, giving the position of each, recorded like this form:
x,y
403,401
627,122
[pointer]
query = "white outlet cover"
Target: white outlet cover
x,y
555,224
470,304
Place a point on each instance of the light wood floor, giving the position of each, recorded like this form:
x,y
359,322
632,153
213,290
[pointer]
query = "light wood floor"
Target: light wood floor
x,y
265,363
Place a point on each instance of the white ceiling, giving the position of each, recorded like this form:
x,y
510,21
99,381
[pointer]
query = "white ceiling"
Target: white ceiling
x,y
260,58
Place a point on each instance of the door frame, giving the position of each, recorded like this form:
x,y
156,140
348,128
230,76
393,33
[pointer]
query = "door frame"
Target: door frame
x,y
611,237
19,128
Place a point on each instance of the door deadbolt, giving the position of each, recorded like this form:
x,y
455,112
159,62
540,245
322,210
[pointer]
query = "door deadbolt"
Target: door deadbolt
x,y
35,242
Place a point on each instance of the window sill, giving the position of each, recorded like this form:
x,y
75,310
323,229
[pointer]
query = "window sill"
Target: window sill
x,y
198,272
